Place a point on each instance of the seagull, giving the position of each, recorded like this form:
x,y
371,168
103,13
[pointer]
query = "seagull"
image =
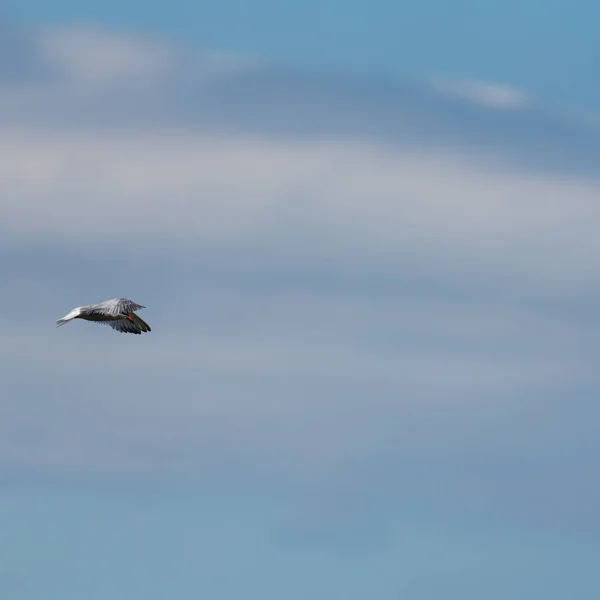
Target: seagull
x,y
118,313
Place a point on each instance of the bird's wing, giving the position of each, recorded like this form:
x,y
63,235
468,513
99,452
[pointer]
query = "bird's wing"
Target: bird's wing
x,y
140,323
127,326
117,306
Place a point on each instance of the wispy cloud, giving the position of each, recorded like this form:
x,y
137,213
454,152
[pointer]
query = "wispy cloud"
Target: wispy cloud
x,y
93,58
354,201
488,94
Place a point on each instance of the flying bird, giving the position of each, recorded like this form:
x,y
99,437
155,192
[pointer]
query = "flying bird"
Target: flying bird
x,y
119,313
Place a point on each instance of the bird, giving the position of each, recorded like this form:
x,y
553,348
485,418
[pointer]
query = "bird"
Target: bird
x,y
118,313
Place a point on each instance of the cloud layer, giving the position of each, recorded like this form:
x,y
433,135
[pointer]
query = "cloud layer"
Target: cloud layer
x,y
350,281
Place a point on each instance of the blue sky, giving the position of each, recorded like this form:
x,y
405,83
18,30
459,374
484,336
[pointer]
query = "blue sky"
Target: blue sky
x,y
372,369
548,49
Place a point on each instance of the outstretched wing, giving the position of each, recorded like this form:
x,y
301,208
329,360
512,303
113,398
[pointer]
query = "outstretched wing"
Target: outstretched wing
x,y
136,325
117,306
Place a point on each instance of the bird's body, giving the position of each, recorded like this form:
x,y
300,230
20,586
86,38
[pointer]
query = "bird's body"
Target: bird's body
x,y
119,313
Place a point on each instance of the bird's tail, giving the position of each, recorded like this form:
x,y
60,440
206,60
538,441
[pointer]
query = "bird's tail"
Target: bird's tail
x,y
72,315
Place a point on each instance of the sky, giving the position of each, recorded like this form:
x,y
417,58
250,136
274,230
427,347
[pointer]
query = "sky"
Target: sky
x,y
372,286
549,49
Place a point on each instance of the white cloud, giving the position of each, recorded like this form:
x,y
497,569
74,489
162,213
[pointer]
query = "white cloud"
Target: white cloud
x,y
491,95
95,57
355,201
